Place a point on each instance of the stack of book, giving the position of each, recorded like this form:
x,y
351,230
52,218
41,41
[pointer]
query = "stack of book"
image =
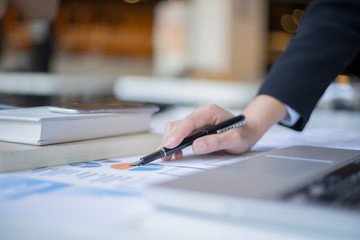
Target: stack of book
x,y
46,136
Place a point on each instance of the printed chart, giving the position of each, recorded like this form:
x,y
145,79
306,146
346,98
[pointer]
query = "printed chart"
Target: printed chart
x,y
109,190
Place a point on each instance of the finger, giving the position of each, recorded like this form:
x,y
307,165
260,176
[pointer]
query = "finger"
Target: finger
x,y
178,155
232,141
172,136
176,131
202,117
167,158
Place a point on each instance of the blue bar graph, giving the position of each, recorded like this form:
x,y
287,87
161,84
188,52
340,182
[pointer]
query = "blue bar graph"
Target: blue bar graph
x,y
14,187
20,187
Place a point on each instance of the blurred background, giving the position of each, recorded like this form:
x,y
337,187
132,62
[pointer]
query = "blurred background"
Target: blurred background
x,y
188,52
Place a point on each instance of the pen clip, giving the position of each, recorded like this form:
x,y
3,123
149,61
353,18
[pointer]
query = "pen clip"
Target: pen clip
x,y
235,125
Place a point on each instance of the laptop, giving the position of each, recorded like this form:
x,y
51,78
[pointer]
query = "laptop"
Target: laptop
x,y
303,186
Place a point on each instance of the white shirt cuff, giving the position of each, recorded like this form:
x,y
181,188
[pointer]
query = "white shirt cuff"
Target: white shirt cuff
x,y
291,118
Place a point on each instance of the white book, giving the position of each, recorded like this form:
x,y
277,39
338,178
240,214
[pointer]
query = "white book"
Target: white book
x,y
40,126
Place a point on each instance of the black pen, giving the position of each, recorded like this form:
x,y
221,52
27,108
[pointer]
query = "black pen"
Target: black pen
x,y
219,128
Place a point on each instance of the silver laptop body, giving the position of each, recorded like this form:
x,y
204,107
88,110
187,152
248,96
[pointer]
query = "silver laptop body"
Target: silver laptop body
x,y
289,186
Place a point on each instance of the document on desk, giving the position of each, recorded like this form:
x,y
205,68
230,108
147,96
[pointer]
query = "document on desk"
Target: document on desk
x,y
104,194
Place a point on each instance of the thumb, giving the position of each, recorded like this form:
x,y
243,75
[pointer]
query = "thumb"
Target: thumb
x,y
233,141
208,144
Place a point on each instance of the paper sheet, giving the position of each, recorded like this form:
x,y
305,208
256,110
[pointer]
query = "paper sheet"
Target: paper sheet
x,y
103,194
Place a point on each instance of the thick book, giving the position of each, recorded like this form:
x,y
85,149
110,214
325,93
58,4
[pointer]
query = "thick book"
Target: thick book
x,y
15,156
41,126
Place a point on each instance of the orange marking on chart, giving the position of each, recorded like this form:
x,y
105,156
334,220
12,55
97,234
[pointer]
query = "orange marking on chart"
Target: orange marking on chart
x,y
122,166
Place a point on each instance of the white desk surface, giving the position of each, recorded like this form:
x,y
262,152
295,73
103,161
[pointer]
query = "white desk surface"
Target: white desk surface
x,y
158,224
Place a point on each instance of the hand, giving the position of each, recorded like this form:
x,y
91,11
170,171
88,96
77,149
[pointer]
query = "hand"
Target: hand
x,y
261,114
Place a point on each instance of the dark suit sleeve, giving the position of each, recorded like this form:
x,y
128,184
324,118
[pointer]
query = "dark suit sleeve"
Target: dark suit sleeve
x,y
327,41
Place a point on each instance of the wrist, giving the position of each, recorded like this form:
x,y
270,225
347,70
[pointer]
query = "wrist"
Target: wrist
x,y
263,112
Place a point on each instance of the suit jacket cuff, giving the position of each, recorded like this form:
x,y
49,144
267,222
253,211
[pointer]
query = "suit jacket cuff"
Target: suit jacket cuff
x,y
291,118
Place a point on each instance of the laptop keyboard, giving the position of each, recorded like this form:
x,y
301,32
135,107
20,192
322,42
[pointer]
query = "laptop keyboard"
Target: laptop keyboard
x,y
340,188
